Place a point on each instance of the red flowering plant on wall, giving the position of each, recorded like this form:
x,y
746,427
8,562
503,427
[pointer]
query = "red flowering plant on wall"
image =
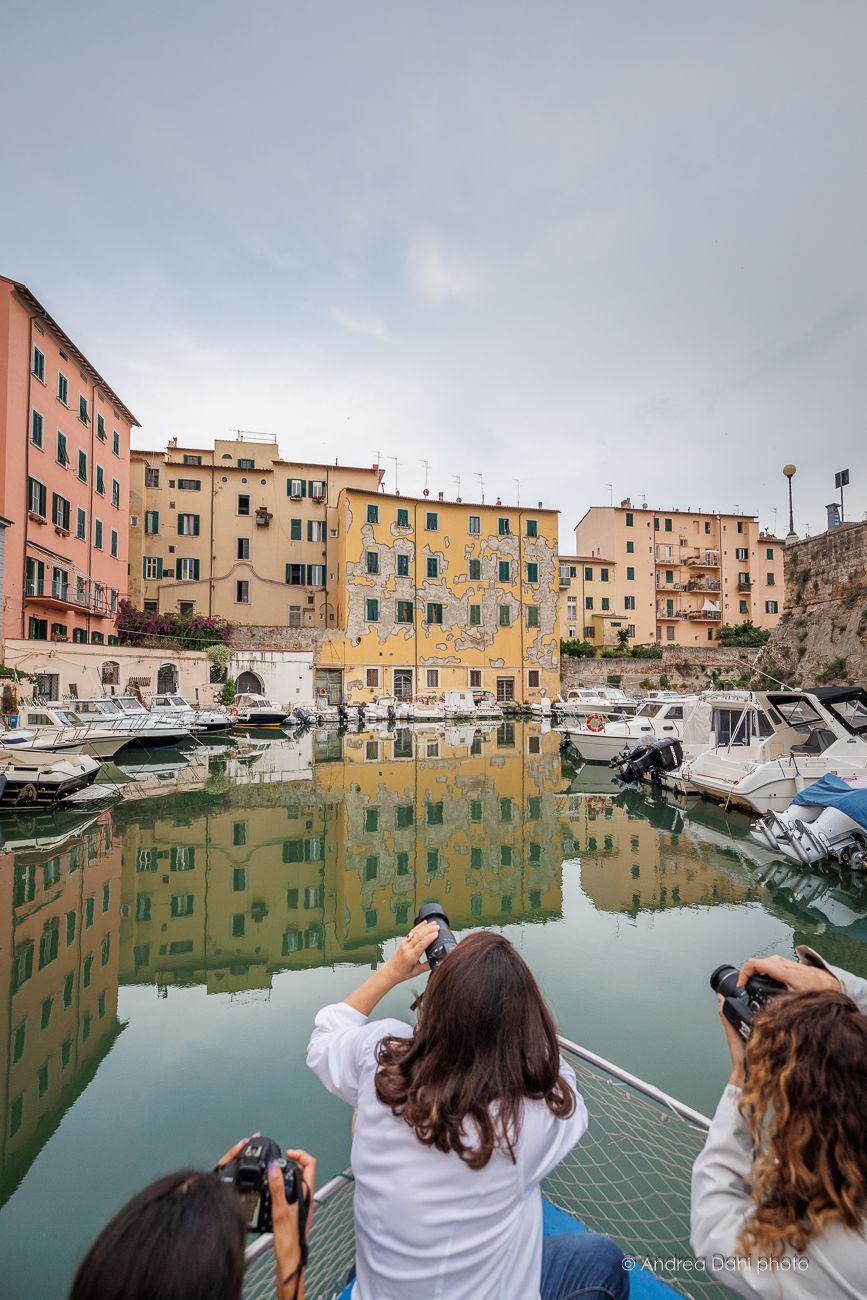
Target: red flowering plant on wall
x,y
136,627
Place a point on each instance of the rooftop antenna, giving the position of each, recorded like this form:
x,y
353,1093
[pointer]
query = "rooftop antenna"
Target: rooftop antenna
x,y
517,483
457,479
610,487
426,464
378,455
396,462
477,475
775,521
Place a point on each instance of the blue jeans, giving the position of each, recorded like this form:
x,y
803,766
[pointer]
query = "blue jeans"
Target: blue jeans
x,y
583,1266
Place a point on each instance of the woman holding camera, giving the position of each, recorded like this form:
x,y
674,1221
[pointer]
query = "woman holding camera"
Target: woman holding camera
x,y
779,1193
184,1236
458,1122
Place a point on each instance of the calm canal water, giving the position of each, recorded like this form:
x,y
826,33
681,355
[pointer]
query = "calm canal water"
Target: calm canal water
x,y
161,962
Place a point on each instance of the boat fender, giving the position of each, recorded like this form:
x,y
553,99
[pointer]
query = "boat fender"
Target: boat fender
x,y
596,722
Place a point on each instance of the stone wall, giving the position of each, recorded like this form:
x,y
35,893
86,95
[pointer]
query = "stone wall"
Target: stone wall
x,y
690,668
277,638
822,636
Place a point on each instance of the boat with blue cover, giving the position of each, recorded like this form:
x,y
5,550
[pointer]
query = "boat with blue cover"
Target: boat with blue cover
x,y
827,820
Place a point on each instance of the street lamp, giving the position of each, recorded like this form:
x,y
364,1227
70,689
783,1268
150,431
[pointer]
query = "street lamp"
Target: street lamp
x,y
792,536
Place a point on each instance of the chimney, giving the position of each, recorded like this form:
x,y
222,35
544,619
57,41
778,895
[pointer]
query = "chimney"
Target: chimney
x,y
834,521
439,496
539,505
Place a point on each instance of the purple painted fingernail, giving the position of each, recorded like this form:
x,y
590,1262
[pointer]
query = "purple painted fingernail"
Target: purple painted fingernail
x,y
257,1134
272,1166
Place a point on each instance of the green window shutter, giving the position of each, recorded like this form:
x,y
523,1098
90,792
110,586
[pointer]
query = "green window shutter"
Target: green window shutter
x,y
159,568
304,488
196,527
287,572
532,616
295,530
532,572
403,566
372,610
505,574
195,570
304,568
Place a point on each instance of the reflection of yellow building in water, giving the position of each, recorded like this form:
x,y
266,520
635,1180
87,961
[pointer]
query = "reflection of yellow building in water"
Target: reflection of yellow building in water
x,y
60,909
295,875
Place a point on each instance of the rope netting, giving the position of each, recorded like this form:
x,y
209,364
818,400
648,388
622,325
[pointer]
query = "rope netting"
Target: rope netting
x,y
629,1177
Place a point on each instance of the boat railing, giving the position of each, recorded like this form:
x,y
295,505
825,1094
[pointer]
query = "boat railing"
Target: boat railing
x,y
629,1177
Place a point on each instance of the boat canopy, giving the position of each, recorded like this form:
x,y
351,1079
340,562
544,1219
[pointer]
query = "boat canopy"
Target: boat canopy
x,y
832,792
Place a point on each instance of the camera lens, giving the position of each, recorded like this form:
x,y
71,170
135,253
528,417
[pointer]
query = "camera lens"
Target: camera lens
x,y
724,980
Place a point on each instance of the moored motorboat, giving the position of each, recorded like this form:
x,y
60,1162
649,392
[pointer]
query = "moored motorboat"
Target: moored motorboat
x,y
827,820
251,710
175,709
585,701
32,779
599,739
52,726
126,715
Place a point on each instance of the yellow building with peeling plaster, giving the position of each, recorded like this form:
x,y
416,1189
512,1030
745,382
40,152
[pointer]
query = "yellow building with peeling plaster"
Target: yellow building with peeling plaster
x,y
436,595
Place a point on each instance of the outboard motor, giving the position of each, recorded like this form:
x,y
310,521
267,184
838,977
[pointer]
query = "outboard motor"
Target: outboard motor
x,y
304,716
392,713
648,759
343,715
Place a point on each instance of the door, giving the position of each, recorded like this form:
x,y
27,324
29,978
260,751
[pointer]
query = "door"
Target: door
x,y
48,686
505,689
167,680
403,683
329,680
249,684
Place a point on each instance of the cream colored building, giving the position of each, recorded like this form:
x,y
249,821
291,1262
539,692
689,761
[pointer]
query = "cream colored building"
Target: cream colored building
x,y
236,532
682,574
587,601
437,595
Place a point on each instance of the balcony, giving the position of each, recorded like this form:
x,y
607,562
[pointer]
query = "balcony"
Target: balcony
x,y
704,615
671,586
702,560
703,584
59,595
745,586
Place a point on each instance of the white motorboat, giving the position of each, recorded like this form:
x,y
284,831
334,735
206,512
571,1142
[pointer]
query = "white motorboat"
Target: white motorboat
x,y
801,737
661,756
29,779
542,708
601,701
256,711
599,739
323,714
53,726
386,708
471,706
826,820
136,724
428,708
175,709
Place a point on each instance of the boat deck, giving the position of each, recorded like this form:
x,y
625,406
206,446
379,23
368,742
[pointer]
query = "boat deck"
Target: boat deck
x,y
628,1177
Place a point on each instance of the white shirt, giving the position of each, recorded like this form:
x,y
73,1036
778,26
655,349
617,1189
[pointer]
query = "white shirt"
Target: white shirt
x,y
426,1225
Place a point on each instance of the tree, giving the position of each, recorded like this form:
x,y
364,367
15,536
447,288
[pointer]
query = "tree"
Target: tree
x,y
623,639
743,634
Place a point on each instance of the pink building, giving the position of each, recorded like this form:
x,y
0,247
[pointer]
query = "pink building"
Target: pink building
x,y
64,482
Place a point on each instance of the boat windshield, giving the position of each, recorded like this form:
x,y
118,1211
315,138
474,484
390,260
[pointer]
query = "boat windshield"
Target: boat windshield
x,y
130,704
649,710
852,713
797,711
179,702
97,708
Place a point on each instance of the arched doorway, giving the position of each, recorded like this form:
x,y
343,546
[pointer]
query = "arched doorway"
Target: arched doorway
x,y
249,683
167,680
111,673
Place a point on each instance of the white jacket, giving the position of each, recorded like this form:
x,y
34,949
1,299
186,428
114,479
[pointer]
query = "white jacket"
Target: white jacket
x,y
427,1227
835,1263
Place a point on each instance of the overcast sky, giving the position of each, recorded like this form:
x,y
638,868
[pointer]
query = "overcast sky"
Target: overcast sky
x,y
575,244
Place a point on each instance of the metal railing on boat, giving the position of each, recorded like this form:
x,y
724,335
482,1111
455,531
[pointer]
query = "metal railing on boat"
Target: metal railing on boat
x,y
629,1177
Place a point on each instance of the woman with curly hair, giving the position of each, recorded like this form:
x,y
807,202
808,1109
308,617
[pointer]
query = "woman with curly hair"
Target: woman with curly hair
x,y
458,1121
779,1193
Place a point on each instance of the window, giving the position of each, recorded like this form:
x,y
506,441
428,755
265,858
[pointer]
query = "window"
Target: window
x,y
668,525
532,616
153,567
152,478
669,576
371,678
588,574
505,693
475,615
372,561
403,566
504,571
630,575
294,616
186,608
669,633
60,511
432,678
589,631
743,607
432,567
100,480
630,547
315,575
656,523
112,543
97,534
432,521
100,428
62,388
504,526
296,575
316,530
187,570
743,579
740,525
242,592
152,522
404,611
532,528
606,603
741,553
295,487
38,364
402,517
115,442
62,455
189,485
434,613
243,462
588,602
629,602
772,607
83,413
372,610
243,504
504,616
770,580
769,553
372,514
294,530
571,608
82,466
115,494
188,525
37,629
37,425
475,570
603,575
34,577
474,526
630,628
37,500
80,523
476,682
707,526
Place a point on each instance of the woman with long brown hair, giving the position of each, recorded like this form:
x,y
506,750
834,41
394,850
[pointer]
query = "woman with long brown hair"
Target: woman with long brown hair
x,y
779,1196
458,1121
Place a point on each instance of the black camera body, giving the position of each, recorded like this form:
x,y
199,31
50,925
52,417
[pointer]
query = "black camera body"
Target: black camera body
x,y
445,941
248,1174
740,1005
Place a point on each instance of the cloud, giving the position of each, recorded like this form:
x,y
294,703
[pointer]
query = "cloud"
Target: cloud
x,y
437,274
373,326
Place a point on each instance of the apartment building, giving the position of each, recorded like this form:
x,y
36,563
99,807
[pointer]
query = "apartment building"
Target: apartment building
x,y
682,574
64,481
233,531
587,601
435,595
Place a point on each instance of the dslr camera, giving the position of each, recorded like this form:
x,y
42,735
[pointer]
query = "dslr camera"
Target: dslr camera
x,y
248,1174
740,1005
445,941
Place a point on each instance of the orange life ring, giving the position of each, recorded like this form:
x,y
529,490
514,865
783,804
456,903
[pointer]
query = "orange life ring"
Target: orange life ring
x,y
233,713
596,722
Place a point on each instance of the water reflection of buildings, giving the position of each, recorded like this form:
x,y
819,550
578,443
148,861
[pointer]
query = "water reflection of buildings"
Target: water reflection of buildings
x,y
292,875
60,910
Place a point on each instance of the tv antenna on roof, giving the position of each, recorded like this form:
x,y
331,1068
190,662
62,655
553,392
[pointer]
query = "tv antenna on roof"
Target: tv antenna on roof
x,y
610,487
457,479
477,475
426,464
396,463
517,483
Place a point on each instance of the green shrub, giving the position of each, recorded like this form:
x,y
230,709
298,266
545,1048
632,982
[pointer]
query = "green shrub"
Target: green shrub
x,y
227,694
833,671
577,650
647,652
745,633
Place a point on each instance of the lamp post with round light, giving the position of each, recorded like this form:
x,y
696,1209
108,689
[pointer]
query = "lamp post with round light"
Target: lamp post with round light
x,y
792,536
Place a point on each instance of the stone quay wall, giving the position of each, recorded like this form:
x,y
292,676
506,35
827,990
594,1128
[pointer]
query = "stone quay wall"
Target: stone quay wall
x,y
689,668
